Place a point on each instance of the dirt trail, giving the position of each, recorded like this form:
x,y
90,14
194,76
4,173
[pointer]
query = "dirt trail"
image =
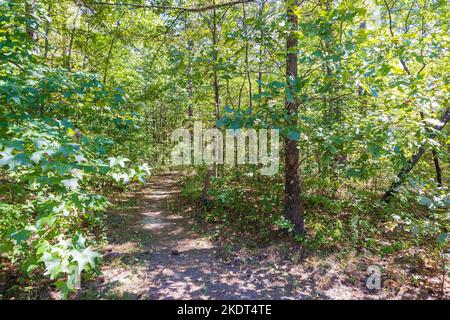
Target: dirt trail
x,y
159,256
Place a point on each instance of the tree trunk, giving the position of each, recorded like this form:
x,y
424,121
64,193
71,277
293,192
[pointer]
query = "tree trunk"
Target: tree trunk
x,y
110,52
189,74
72,36
211,170
247,64
47,32
414,159
190,83
260,54
83,66
155,125
206,183
293,207
30,9
437,167
216,76
332,109
105,74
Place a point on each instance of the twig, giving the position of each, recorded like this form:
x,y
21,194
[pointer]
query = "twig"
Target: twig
x,y
150,6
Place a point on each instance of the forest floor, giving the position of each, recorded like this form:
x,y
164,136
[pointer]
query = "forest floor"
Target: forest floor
x,y
157,250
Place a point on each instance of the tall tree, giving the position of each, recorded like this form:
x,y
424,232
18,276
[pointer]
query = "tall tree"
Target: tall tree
x,y
210,172
293,207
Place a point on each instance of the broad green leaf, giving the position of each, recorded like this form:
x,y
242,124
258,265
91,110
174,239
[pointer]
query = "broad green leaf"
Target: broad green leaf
x,y
20,236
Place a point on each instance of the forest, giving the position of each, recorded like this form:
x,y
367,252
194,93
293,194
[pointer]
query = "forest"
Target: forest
x,y
96,97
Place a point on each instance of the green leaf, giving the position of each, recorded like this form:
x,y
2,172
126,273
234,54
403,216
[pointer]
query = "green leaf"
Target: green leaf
x,y
63,289
442,238
117,161
221,122
47,219
278,84
424,201
374,149
29,265
7,157
70,183
85,257
54,266
36,157
293,135
20,236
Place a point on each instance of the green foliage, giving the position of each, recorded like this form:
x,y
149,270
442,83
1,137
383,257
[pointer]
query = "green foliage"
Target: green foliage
x,y
52,153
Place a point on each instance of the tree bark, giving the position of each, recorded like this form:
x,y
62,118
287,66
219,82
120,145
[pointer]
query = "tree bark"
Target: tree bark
x,y
437,167
155,125
110,52
83,66
190,83
72,36
30,9
333,110
260,54
206,183
293,207
47,32
105,74
247,64
211,170
215,58
393,188
434,154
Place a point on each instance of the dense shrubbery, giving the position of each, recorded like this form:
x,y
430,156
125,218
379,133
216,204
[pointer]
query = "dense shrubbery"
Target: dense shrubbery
x,y
352,216
57,141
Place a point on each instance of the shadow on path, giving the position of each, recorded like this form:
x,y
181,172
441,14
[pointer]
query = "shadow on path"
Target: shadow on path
x,y
159,256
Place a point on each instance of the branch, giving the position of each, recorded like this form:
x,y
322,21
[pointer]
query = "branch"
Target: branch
x,y
391,30
150,6
415,158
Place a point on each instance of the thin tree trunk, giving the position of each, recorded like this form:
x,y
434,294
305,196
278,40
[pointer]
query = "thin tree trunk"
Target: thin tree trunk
x,y
72,36
147,126
110,52
392,190
155,125
244,24
437,167
229,99
190,83
240,94
30,9
86,47
206,184
293,207
332,110
260,54
189,74
361,91
435,157
216,76
211,169
47,32
105,74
